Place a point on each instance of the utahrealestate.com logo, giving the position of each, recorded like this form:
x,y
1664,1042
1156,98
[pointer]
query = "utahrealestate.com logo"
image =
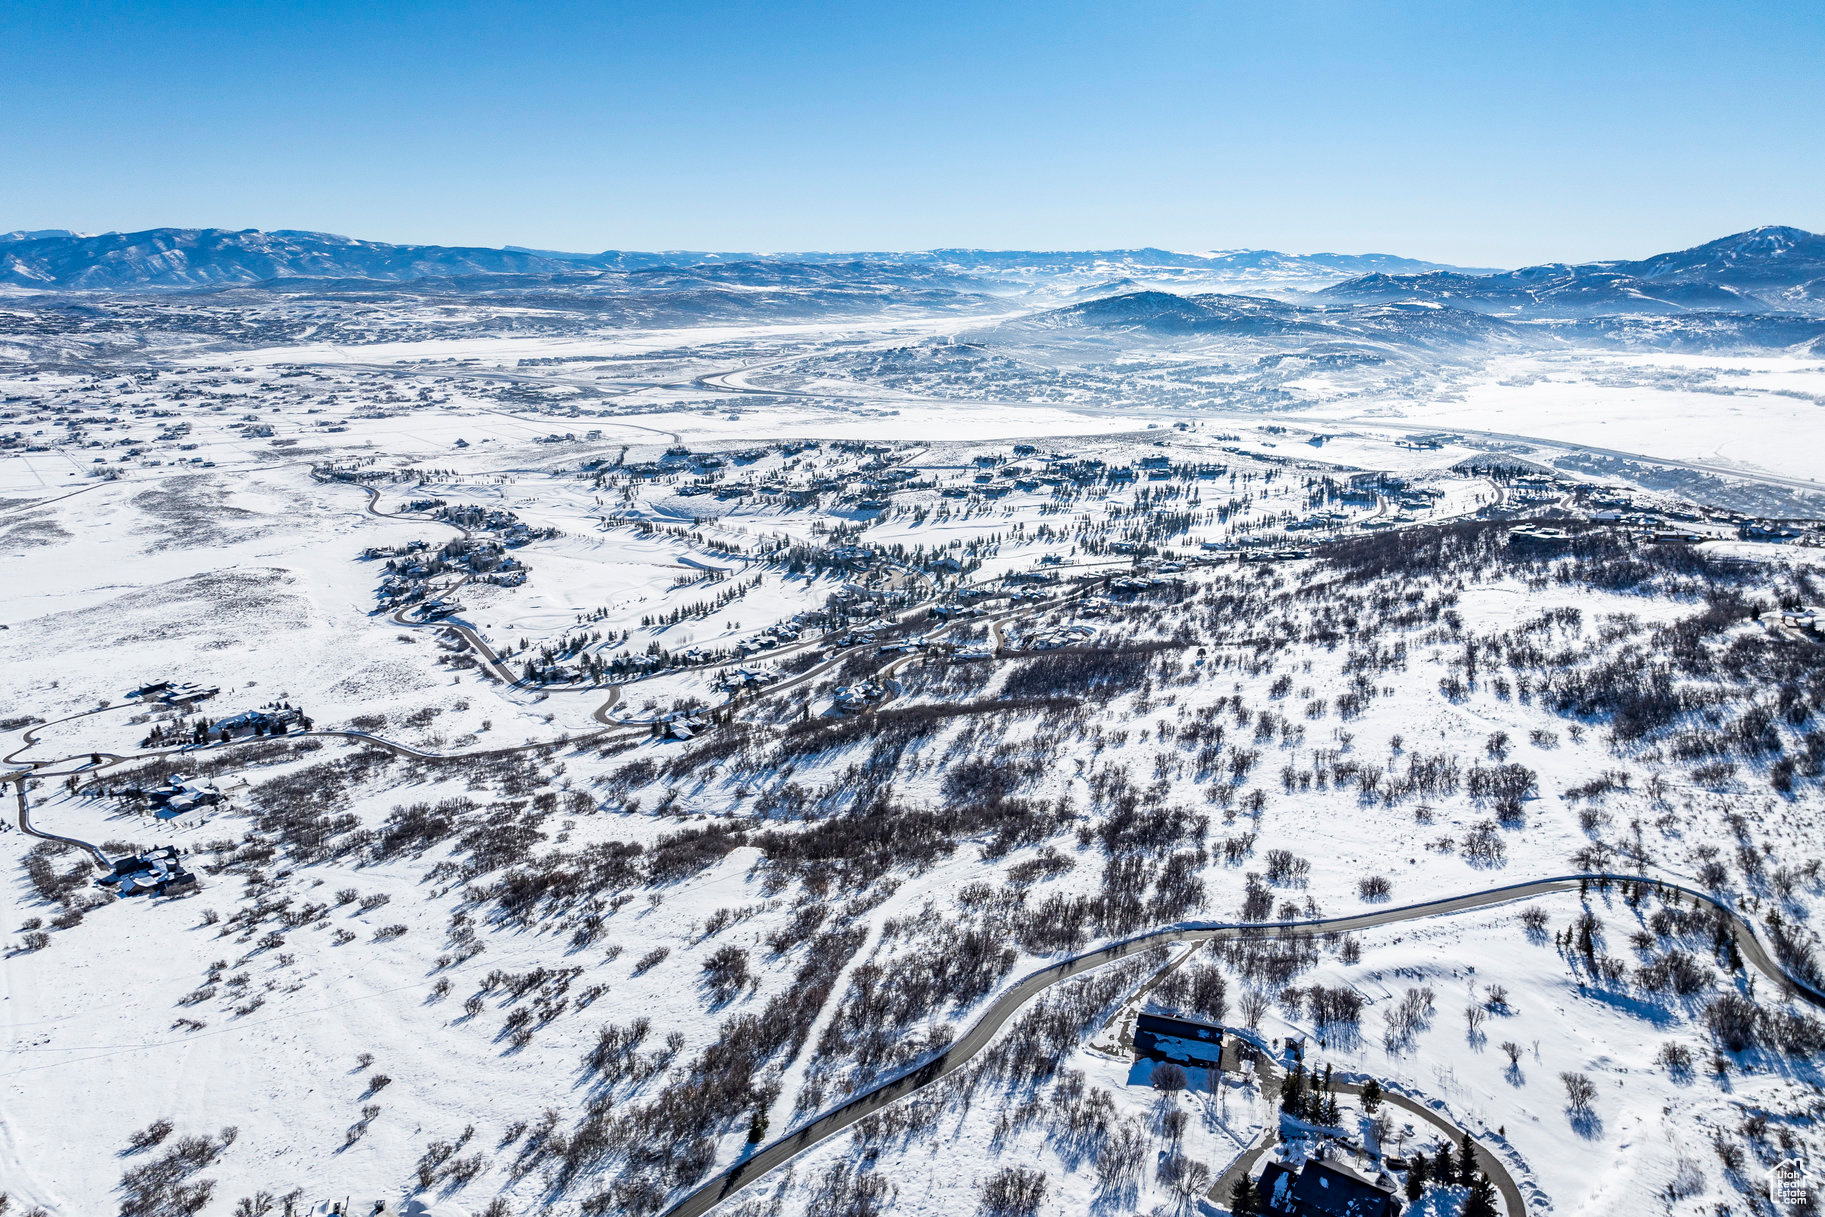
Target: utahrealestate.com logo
x,y
1787,1182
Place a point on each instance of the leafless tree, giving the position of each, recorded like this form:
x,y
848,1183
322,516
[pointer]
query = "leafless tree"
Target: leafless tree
x,y
1579,1091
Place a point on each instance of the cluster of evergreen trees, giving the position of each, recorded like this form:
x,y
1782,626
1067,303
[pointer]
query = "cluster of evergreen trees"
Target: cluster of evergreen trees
x,y
180,732
1313,1098
704,608
1310,1097
1444,1168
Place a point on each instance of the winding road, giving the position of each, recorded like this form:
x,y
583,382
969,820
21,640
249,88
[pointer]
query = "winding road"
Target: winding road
x,y
915,1078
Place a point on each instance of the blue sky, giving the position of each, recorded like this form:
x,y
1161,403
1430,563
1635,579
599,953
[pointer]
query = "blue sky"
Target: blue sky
x,y
1479,132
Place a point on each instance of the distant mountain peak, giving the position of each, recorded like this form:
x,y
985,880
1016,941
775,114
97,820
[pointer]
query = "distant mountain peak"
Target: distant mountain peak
x,y
35,234
1771,268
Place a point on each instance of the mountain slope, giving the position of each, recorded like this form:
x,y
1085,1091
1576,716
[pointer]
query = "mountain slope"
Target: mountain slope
x,y
1761,257
1761,270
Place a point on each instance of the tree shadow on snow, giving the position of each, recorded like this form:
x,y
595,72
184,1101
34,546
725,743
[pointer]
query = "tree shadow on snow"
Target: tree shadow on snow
x,y
1587,1124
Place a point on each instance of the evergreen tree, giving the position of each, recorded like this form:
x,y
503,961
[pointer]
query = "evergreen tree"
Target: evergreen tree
x,y
1292,1091
1245,1199
1444,1169
1466,1162
1371,1096
1419,1171
1482,1199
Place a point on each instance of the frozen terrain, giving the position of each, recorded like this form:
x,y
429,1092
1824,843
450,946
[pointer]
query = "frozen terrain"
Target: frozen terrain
x,y
621,711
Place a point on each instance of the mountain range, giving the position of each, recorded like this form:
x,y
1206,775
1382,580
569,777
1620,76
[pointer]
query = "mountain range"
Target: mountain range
x,y
1764,288
178,258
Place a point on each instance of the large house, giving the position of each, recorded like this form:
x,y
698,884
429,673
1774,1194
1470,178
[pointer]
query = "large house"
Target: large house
x,y
1178,1040
1322,1188
153,873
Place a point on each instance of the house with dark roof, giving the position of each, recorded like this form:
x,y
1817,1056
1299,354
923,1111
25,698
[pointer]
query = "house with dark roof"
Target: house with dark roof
x,y
1321,1188
154,873
1178,1040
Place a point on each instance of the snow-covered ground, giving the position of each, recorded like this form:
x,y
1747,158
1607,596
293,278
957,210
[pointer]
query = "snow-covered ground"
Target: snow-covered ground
x,y
589,966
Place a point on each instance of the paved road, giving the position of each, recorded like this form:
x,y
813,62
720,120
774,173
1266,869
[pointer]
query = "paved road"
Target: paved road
x,y
43,768
973,1041
1271,1073
1031,986
610,731
25,825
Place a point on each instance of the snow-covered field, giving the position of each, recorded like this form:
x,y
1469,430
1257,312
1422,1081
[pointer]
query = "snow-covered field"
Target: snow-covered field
x,y
848,686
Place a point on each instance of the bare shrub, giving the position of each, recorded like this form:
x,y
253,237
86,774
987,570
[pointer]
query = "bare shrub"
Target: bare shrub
x,y
1013,1191
1118,1161
1168,1077
1207,992
1409,1016
726,972
152,1134
1334,1007
1286,867
163,1187
1676,1059
1484,846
